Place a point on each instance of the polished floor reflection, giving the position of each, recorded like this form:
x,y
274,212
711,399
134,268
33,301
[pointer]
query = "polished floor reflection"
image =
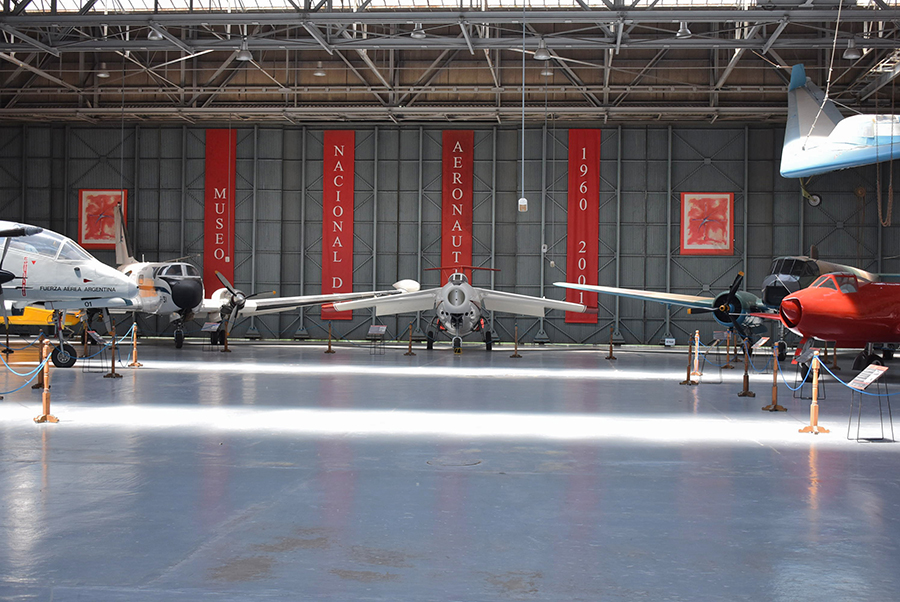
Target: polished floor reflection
x,y
277,472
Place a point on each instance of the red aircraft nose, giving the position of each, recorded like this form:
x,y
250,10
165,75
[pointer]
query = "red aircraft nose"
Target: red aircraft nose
x,y
791,312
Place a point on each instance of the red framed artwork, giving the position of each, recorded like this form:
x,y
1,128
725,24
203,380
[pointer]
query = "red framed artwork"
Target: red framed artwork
x,y
707,223
96,220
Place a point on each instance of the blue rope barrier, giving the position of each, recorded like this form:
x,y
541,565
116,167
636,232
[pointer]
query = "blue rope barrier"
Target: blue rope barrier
x,y
22,348
28,382
854,388
803,382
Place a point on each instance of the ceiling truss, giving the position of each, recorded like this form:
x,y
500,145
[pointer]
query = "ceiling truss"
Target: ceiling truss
x,y
318,64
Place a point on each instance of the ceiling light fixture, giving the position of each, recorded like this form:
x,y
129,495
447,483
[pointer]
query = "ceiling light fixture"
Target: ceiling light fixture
x,y
244,53
154,36
102,72
683,31
542,54
319,72
418,33
852,53
547,71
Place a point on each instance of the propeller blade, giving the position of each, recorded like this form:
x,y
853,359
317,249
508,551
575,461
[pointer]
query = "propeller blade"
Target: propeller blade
x,y
735,285
21,231
5,249
261,293
230,320
225,283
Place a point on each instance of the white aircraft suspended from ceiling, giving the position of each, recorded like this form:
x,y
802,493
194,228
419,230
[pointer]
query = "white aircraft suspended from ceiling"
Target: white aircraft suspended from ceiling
x,y
459,306
818,139
175,289
45,269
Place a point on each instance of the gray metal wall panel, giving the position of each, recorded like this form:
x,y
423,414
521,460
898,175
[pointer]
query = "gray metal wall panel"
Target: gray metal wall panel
x,y
845,227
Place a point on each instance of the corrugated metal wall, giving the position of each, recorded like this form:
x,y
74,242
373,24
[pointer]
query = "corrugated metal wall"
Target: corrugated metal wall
x,y
644,170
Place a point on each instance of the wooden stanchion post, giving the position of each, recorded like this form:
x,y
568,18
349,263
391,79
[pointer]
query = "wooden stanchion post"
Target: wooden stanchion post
x,y
134,363
774,407
687,379
696,371
610,356
728,365
410,351
329,350
39,383
46,416
516,349
814,427
746,392
112,371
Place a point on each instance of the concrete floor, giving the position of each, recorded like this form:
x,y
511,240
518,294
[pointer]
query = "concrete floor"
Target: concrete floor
x,y
277,472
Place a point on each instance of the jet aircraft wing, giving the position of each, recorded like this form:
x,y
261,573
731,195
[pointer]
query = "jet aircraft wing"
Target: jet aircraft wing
x,y
523,304
256,307
395,304
659,297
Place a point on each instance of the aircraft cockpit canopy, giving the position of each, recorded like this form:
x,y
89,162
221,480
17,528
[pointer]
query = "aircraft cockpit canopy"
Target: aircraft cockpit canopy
x,y
458,278
846,283
177,270
795,266
49,244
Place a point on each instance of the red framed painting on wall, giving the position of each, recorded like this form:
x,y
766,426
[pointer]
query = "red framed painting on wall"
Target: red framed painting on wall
x,y
96,217
707,223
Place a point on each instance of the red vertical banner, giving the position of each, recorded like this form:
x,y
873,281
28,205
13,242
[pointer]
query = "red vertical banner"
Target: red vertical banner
x,y
457,160
337,217
583,230
218,207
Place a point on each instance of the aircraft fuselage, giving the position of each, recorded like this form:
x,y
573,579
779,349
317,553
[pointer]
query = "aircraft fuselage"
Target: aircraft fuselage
x,y
52,270
838,307
457,310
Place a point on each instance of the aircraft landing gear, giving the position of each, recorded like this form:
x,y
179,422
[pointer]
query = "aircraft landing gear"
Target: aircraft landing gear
x,y
782,351
63,357
429,340
457,345
179,338
813,200
488,341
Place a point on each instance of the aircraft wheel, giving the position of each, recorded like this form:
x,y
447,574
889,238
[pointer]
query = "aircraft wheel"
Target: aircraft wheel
x,y
782,351
814,200
429,340
887,354
457,345
179,339
874,359
221,337
214,338
65,357
861,361
488,341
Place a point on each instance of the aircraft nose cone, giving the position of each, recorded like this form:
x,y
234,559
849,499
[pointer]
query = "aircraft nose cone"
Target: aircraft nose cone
x,y
187,294
791,312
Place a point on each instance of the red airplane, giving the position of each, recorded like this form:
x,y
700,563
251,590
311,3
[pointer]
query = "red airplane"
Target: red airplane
x,y
837,307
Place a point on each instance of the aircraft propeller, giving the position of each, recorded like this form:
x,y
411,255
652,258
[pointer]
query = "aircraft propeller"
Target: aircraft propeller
x,y
731,302
235,303
6,275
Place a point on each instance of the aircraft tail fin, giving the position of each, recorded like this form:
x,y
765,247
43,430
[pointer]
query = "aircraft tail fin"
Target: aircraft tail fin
x,y
805,99
123,253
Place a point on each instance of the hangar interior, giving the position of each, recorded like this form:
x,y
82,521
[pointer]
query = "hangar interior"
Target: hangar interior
x,y
278,472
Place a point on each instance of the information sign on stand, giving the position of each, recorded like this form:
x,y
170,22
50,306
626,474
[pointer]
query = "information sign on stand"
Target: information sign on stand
x,y
867,377
762,341
863,380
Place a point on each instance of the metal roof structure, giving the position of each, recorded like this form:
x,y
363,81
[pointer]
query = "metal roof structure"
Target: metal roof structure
x,y
436,60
